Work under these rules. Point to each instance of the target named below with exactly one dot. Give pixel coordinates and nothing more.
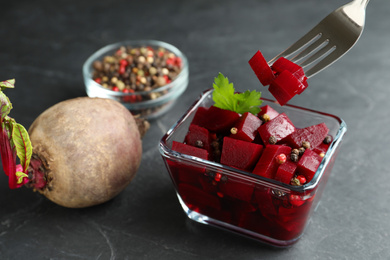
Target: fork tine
(309, 37)
(325, 50)
(316, 44)
(325, 62)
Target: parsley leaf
(225, 97)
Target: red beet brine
(267, 145)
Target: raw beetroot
(85, 151)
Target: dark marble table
(44, 44)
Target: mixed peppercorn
(137, 69)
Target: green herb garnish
(225, 97)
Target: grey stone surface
(44, 44)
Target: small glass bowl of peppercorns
(146, 76)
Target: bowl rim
(167, 152)
(173, 85)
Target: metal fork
(329, 40)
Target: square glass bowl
(147, 104)
(241, 202)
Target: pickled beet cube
(314, 134)
(308, 164)
(216, 119)
(238, 189)
(187, 173)
(279, 127)
(240, 154)
(200, 116)
(272, 113)
(264, 198)
(282, 64)
(267, 164)
(246, 127)
(285, 86)
(286, 171)
(199, 137)
(261, 68)
(321, 148)
(195, 197)
(190, 150)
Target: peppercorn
(295, 182)
(294, 157)
(301, 150)
(301, 179)
(281, 158)
(233, 130)
(306, 144)
(265, 118)
(272, 140)
(199, 143)
(295, 151)
(327, 139)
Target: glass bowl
(263, 209)
(148, 102)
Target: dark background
(43, 46)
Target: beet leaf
(14, 142)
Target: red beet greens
(14, 142)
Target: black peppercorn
(272, 140)
(328, 139)
(294, 157)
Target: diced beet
(190, 150)
(189, 173)
(240, 154)
(264, 198)
(272, 113)
(208, 184)
(282, 64)
(286, 171)
(308, 164)
(285, 86)
(199, 137)
(267, 165)
(279, 127)
(247, 127)
(314, 134)
(256, 222)
(321, 148)
(280, 94)
(200, 116)
(261, 68)
(194, 197)
(216, 119)
(236, 188)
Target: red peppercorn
(281, 158)
(170, 61)
(98, 80)
(296, 200)
(130, 98)
(178, 61)
(122, 70)
(218, 176)
(115, 88)
(301, 179)
(220, 194)
(123, 62)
